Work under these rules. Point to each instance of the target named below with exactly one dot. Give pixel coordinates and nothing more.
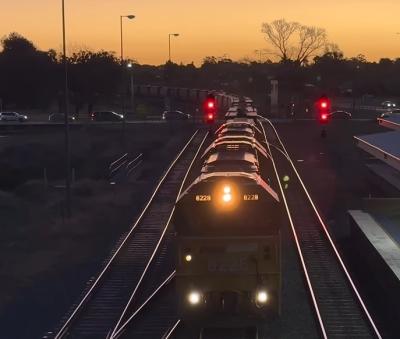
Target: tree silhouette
(292, 41)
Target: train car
(202, 94)
(164, 91)
(250, 145)
(228, 249)
(233, 130)
(231, 161)
(231, 113)
(240, 123)
(227, 223)
(184, 93)
(154, 91)
(194, 94)
(174, 92)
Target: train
(223, 99)
(227, 227)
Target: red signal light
(210, 109)
(323, 108)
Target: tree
(28, 76)
(292, 41)
(16, 43)
(93, 76)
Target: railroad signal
(323, 106)
(210, 109)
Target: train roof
(232, 130)
(242, 120)
(250, 114)
(239, 123)
(231, 161)
(235, 145)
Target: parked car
(106, 116)
(175, 115)
(60, 117)
(390, 113)
(388, 104)
(13, 116)
(340, 115)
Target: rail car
(239, 123)
(223, 144)
(223, 99)
(233, 130)
(227, 225)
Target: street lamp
(169, 44)
(130, 17)
(130, 68)
(66, 113)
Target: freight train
(227, 224)
(223, 99)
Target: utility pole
(66, 115)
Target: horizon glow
(206, 28)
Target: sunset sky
(207, 27)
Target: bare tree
(278, 34)
(293, 41)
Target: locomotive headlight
(194, 298)
(227, 196)
(188, 257)
(261, 296)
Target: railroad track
(339, 308)
(142, 252)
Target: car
(340, 115)
(60, 117)
(175, 115)
(106, 116)
(390, 113)
(388, 104)
(13, 116)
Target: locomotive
(227, 225)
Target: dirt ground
(46, 260)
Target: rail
(319, 263)
(115, 331)
(101, 279)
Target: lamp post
(169, 44)
(67, 145)
(130, 68)
(130, 17)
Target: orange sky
(207, 27)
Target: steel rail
(89, 293)
(296, 239)
(115, 330)
(152, 295)
(328, 236)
